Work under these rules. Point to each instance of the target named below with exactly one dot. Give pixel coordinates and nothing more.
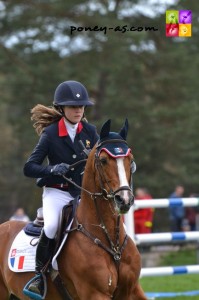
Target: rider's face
(74, 113)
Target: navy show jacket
(56, 145)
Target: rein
(77, 163)
(81, 188)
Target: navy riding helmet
(71, 93)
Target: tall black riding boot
(44, 253)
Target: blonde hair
(42, 116)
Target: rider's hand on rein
(60, 169)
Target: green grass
(175, 283)
(182, 257)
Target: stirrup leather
(35, 295)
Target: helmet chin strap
(63, 114)
(69, 120)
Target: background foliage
(144, 76)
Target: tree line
(142, 75)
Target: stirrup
(33, 295)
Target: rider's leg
(53, 202)
(43, 255)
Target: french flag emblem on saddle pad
(17, 260)
(21, 256)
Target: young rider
(62, 131)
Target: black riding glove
(60, 169)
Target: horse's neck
(92, 213)
(87, 209)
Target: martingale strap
(115, 253)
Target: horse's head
(113, 160)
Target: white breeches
(53, 202)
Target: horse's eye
(103, 160)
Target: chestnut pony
(98, 261)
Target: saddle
(34, 228)
(68, 212)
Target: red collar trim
(63, 130)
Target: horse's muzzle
(124, 199)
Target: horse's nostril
(118, 199)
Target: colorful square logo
(172, 17)
(172, 30)
(185, 17)
(178, 23)
(184, 30)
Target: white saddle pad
(21, 257)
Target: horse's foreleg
(138, 293)
(93, 295)
(13, 297)
(3, 292)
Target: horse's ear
(124, 130)
(105, 129)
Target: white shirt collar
(71, 129)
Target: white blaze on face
(122, 177)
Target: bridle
(103, 180)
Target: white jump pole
(164, 271)
(155, 203)
(166, 237)
(166, 202)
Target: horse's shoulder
(11, 227)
